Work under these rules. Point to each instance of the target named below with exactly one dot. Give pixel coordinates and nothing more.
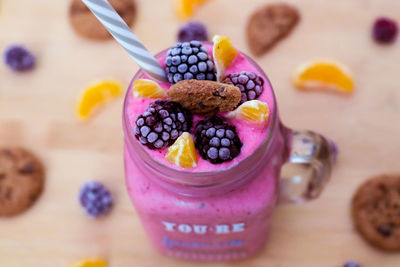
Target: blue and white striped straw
(117, 27)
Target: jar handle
(304, 176)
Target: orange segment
(182, 153)
(90, 263)
(185, 8)
(148, 88)
(224, 53)
(324, 75)
(96, 96)
(254, 112)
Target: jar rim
(198, 179)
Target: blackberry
(385, 30)
(18, 58)
(189, 60)
(352, 264)
(162, 123)
(250, 84)
(217, 140)
(193, 31)
(95, 198)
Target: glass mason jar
(224, 214)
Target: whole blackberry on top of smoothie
(214, 95)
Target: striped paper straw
(117, 27)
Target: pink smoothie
(250, 136)
(220, 221)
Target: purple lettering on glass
(170, 243)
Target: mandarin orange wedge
(224, 53)
(90, 263)
(324, 75)
(253, 112)
(182, 152)
(185, 8)
(148, 88)
(96, 96)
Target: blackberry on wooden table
(193, 31)
(95, 198)
(385, 30)
(19, 58)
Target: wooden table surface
(37, 112)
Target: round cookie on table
(376, 211)
(87, 25)
(199, 94)
(21, 180)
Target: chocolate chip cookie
(87, 25)
(376, 211)
(21, 180)
(205, 97)
(269, 24)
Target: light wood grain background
(37, 111)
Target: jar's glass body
(222, 220)
(229, 226)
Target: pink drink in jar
(222, 211)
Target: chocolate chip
(7, 152)
(2, 176)
(8, 193)
(220, 92)
(382, 187)
(33, 197)
(27, 168)
(385, 229)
